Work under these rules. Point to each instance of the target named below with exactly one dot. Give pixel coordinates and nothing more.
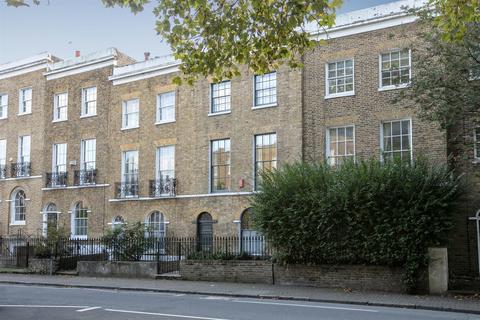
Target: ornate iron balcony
(164, 187)
(56, 179)
(126, 189)
(85, 177)
(3, 171)
(21, 169)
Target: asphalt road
(47, 303)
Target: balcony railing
(56, 179)
(3, 171)
(165, 187)
(21, 169)
(126, 189)
(85, 177)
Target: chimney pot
(147, 55)
(77, 53)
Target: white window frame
(3, 158)
(21, 101)
(161, 233)
(210, 163)
(476, 144)
(136, 168)
(394, 86)
(328, 138)
(83, 150)
(382, 135)
(57, 107)
(21, 148)
(56, 157)
(73, 222)
(255, 156)
(4, 105)
(125, 115)
(226, 111)
(268, 105)
(329, 95)
(13, 220)
(85, 103)
(159, 107)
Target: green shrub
(364, 213)
(128, 242)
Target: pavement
(454, 303)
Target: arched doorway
(252, 241)
(205, 232)
(50, 219)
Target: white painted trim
(364, 26)
(272, 105)
(144, 74)
(399, 86)
(220, 113)
(23, 70)
(327, 141)
(24, 113)
(129, 128)
(88, 116)
(222, 194)
(381, 136)
(80, 68)
(164, 122)
(18, 223)
(21, 178)
(78, 187)
(342, 94)
(157, 108)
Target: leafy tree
(365, 213)
(214, 37)
(456, 17)
(445, 84)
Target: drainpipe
(477, 221)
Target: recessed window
(155, 225)
(129, 184)
(59, 162)
(19, 207)
(3, 159)
(340, 145)
(476, 145)
(60, 107)
(265, 155)
(165, 173)
(3, 106)
(89, 101)
(23, 166)
(220, 165)
(220, 94)
(340, 78)
(80, 221)
(130, 114)
(397, 140)
(166, 107)
(265, 89)
(395, 69)
(25, 101)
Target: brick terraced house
(98, 140)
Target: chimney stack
(147, 55)
(77, 53)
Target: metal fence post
(158, 256)
(27, 254)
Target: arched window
(79, 221)
(18, 207)
(50, 218)
(156, 225)
(118, 222)
(205, 231)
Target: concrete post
(437, 270)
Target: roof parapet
(145, 69)
(368, 19)
(22, 66)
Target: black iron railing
(56, 179)
(21, 169)
(126, 189)
(3, 171)
(85, 177)
(165, 187)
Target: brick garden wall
(357, 277)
